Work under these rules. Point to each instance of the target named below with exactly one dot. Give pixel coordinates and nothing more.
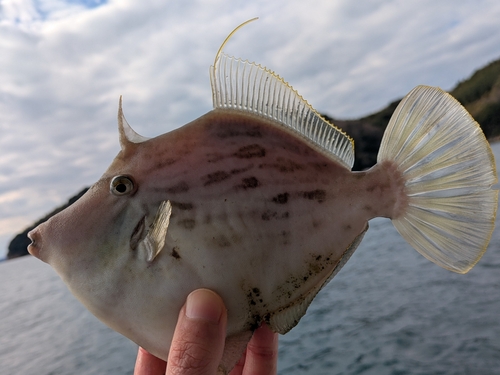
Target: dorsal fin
(249, 87)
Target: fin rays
(154, 241)
(449, 170)
(248, 87)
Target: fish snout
(35, 247)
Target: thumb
(199, 338)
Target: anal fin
(233, 350)
(288, 317)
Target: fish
(256, 200)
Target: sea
(388, 312)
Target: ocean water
(388, 312)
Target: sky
(64, 64)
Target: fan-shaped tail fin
(449, 170)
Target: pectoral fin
(154, 241)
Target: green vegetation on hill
(478, 85)
(479, 94)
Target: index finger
(148, 364)
(261, 356)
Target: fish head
(102, 243)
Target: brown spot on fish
(267, 318)
(188, 223)
(317, 195)
(256, 322)
(222, 241)
(358, 175)
(249, 183)
(254, 298)
(213, 178)
(182, 206)
(236, 238)
(281, 198)
(208, 219)
(268, 215)
(175, 253)
(296, 147)
(286, 236)
(320, 166)
(241, 170)
(230, 131)
(165, 163)
(180, 187)
(254, 133)
(250, 151)
(283, 165)
(214, 157)
(316, 268)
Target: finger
(238, 368)
(148, 364)
(262, 353)
(199, 337)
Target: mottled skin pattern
(258, 215)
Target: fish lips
(34, 248)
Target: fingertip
(262, 352)
(265, 334)
(199, 337)
(204, 304)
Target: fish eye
(121, 185)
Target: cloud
(64, 64)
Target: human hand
(198, 343)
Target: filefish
(256, 201)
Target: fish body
(256, 201)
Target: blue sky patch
(88, 3)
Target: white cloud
(63, 65)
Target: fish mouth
(138, 233)
(35, 246)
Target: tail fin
(449, 170)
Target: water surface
(389, 311)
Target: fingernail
(205, 305)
